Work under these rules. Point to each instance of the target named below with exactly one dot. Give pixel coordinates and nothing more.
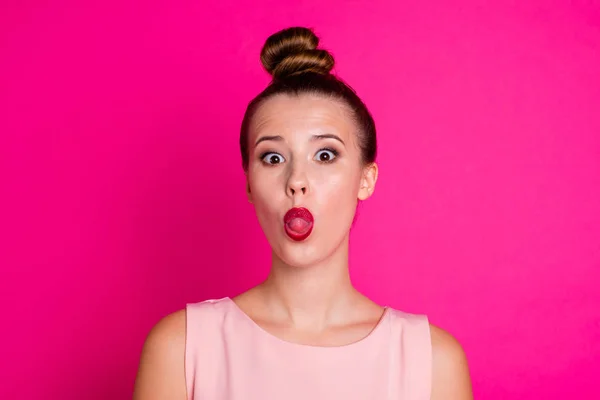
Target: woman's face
(303, 153)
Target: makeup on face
(324, 155)
(298, 223)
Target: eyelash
(332, 151)
(329, 149)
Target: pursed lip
(298, 212)
(302, 213)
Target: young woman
(308, 149)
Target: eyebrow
(264, 138)
(314, 137)
(328, 136)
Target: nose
(297, 183)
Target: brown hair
(298, 67)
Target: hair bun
(293, 51)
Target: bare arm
(451, 380)
(161, 373)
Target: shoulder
(450, 371)
(170, 329)
(161, 373)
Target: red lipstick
(298, 223)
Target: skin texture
(308, 297)
(300, 179)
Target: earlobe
(368, 181)
(248, 192)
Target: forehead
(286, 114)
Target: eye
(326, 155)
(272, 158)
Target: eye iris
(325, 156)
(274, 159)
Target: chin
(299, 260)
(309, 252)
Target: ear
(248, 191)
(368, 181)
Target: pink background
(123, 195)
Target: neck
(311, 297)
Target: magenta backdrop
(124, 196)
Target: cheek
(265, 191)
(339, 190)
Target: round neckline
(377, 329)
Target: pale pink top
(230, 357)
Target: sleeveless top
(230, 357)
